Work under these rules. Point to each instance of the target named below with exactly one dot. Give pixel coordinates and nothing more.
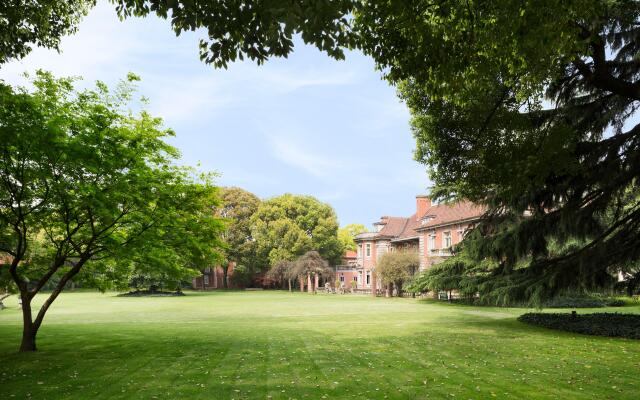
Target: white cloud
(288, 151)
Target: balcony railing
(440, 252)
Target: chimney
(423, 203)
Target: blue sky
(306, 125)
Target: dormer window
(427, 218)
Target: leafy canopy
(397, 267)
(347, 233)
(236, 208)
(235, 30)
(24, 23)
(287, 226)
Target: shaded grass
(241, 345)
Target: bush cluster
(599, 324)
(582, 302)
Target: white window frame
(367, 250)
(206, 279)
(446, 237)
(431, 241)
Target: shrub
(615, 303)
(573, 302)
(599, 324)
(584, 301)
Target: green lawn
(238, 345)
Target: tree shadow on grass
(464, 356)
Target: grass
(240, 345)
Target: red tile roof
(443, 214)
(400, 228)
(394, 226)
(409, 231)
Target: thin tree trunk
(289, 280)
(225, 273)
(301, 281)
(2, 306)
(374, 284)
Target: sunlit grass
(239, 345)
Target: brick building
(432, 231)
(213, 278)
(348, 271)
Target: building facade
(213, 278)
(432, 231)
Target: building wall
(346, 276)
(431, 257)
(368, 264)
(213, 278)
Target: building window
(368, 278)
(431, 243)
(355, 278)
(341, 278)
(206, 280)
(367, 251)
(447, 239)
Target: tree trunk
(2, 297)
(225, 272)
(289, 280)
(29, 329)
(374, 284)
(301, 281)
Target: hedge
(599, 324)
(583, 302)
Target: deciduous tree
(347, 233)
(397, 267)
(312, 265)
(237, 207)
(283, 271)
(287, 226)
(84, 180)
